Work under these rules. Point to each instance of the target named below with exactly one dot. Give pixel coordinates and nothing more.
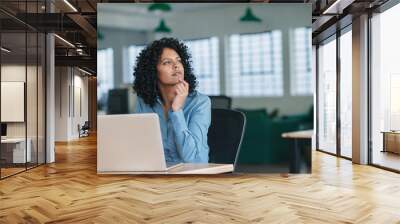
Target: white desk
(307, 134)
(188, 168)
(19, 149)
(300, 161)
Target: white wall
(119, 40)
(70, 83)
(80, 103)
(220, 21)
(15, 72)
(61, 103)
(34, 124)
(274, 17)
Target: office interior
(50, 73)
(357, 86)
(263, 67)
(38, 107)
(119, 44)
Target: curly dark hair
(145, 72)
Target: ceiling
(330, 15)
(79, 27)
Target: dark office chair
(84, 130)
(225, 135)
(118, 101)
(221, 102)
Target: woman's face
(170, 68)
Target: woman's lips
(177, 74)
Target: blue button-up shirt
(184, 132)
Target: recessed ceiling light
(65, 41)
(84, 71)
(337, 7)
(70, 5)
(5, 50)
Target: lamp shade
(100, 35)
(165, 7)
(162, 27)
(249, 16)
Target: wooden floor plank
(70, 191)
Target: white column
(360, 90)
(50, 100)
(63, 101)
(314, 76)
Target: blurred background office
(260, 61)
(253, 57)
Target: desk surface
(187, 168)
(307, 134)
(13, 140)
(391, 132)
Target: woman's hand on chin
(182, 91)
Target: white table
(305, 134)
(19, 155)
(187, 168)
(300, 160)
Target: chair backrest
(225, 135)
(221, 102)
(118, 102)
(86, 125)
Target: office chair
(118, 102)
(3, 129)
(84, 130)
(225, 135)
(220, 102)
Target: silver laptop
(130, 143)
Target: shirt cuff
(178, 120)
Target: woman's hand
(182, 91)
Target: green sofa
(262, 142)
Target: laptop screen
(3, 129)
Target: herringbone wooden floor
(69, 191)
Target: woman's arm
(191, 136)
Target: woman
(165, 84)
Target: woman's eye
(167, 62)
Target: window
(130, 55)
(327, 96)
(301, 78)
(346, 94)
(394, 102)
(385, 88)
(205, 64)
(105, 76)
(255, 64)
